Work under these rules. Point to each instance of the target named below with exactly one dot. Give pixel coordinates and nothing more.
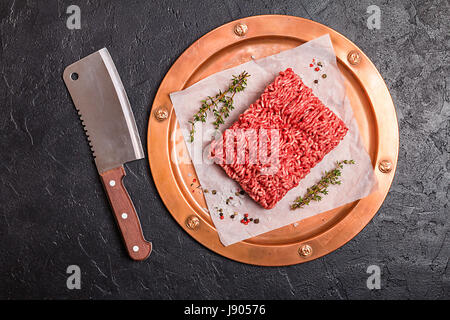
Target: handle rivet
(385, 166)
(193, 222)
(112, 183)
(354, 57)
(161, 113)
(240, 29)
(305, 250)
(135, 248)
(124, 215)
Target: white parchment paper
(357, 180)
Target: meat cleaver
(107, 118)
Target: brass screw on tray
(240, 29)
(161, 114)
(385, 166)
(305, 250)
(354, 57)
(193, 222)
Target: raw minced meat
(296, 128)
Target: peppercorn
(214, 192)
(256, 221)
(324, 76)
(316, 81)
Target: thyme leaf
(317, 191)
(220, 105)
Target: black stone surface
(53, 209)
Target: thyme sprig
(220, 105)
(314, 193)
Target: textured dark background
(53, 210)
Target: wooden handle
(138, 248)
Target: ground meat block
(294, 125)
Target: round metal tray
(233, 44)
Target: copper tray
(233, 44)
